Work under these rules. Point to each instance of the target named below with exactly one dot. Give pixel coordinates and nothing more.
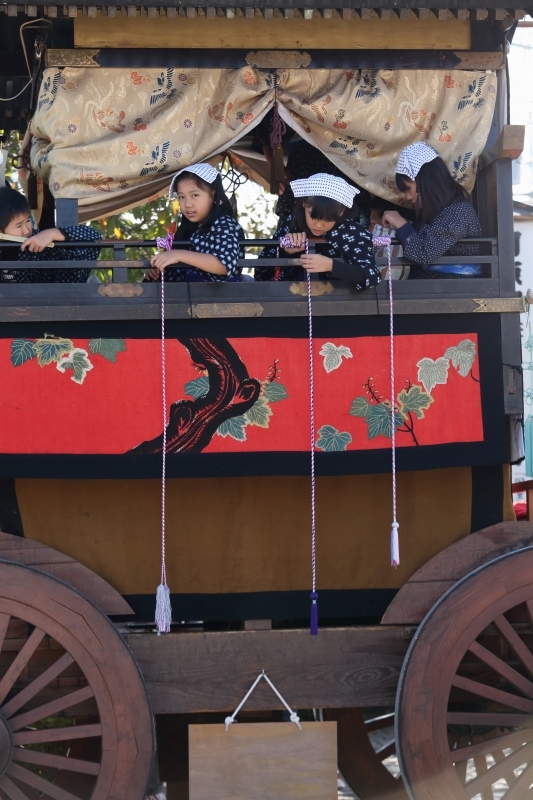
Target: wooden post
(66, 212)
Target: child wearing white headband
(208, 223)
(443, 215)
(325, 210)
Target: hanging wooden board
(263, 761)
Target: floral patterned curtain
(361, 120)
(113, 137)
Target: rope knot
(381, 241)
(227, 722)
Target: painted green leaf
(432, 372)
(22, 350)
(378, 420)
(274, 392)
(259, 414)
(359, 407)
(415, 399)
(49, 350)
(462, 356)
(108, 348)
(330, 439)
(78, 361)
(234, 427)
(333, 355)
(198, 387)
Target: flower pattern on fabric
(74, 233)
(348, 116)
(221, 241)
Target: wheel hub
(6, 745)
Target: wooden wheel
(361, 757)
(465, 699)
(74, 716)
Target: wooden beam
(271, 59)
(202, 672)
(509, 144)
(274, 33)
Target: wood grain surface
(38, 555)
(424, 588)
(263, 761)
(341, 667)
(273, 34)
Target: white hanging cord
(293, 715)
(285, 242)
(385, 241)
(163, 608)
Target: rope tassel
(163, 608)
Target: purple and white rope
(384, 241)
(163, 609)
(285, 242)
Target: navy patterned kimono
(222, 241)
(348, 244)
(75, 233)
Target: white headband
(413, 157)
(325, 185)
(204, 171)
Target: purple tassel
(314, 614)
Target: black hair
(221, 206)
(320, 208)
(436, 189)
(12, 204)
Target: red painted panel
(118, 405)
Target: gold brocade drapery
(113, 137)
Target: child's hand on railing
(297, 242)
(313, 262)
(40, 241)
(159, 261)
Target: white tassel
(394, 545)
(163, 609)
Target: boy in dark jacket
(16, 220)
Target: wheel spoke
(494, 774)
(387, 750)
(4, 624)
(55, 762)
(378, 723)
(36, 782)
(499, 756)
(35, 686)
(491, 719)
(520, 786)
(515, 642)
(50, 709)
(7, 682)
(486, 747)
(503, 669)
(497, 695)
(12, 791)
(57, 734)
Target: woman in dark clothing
(443, 215)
